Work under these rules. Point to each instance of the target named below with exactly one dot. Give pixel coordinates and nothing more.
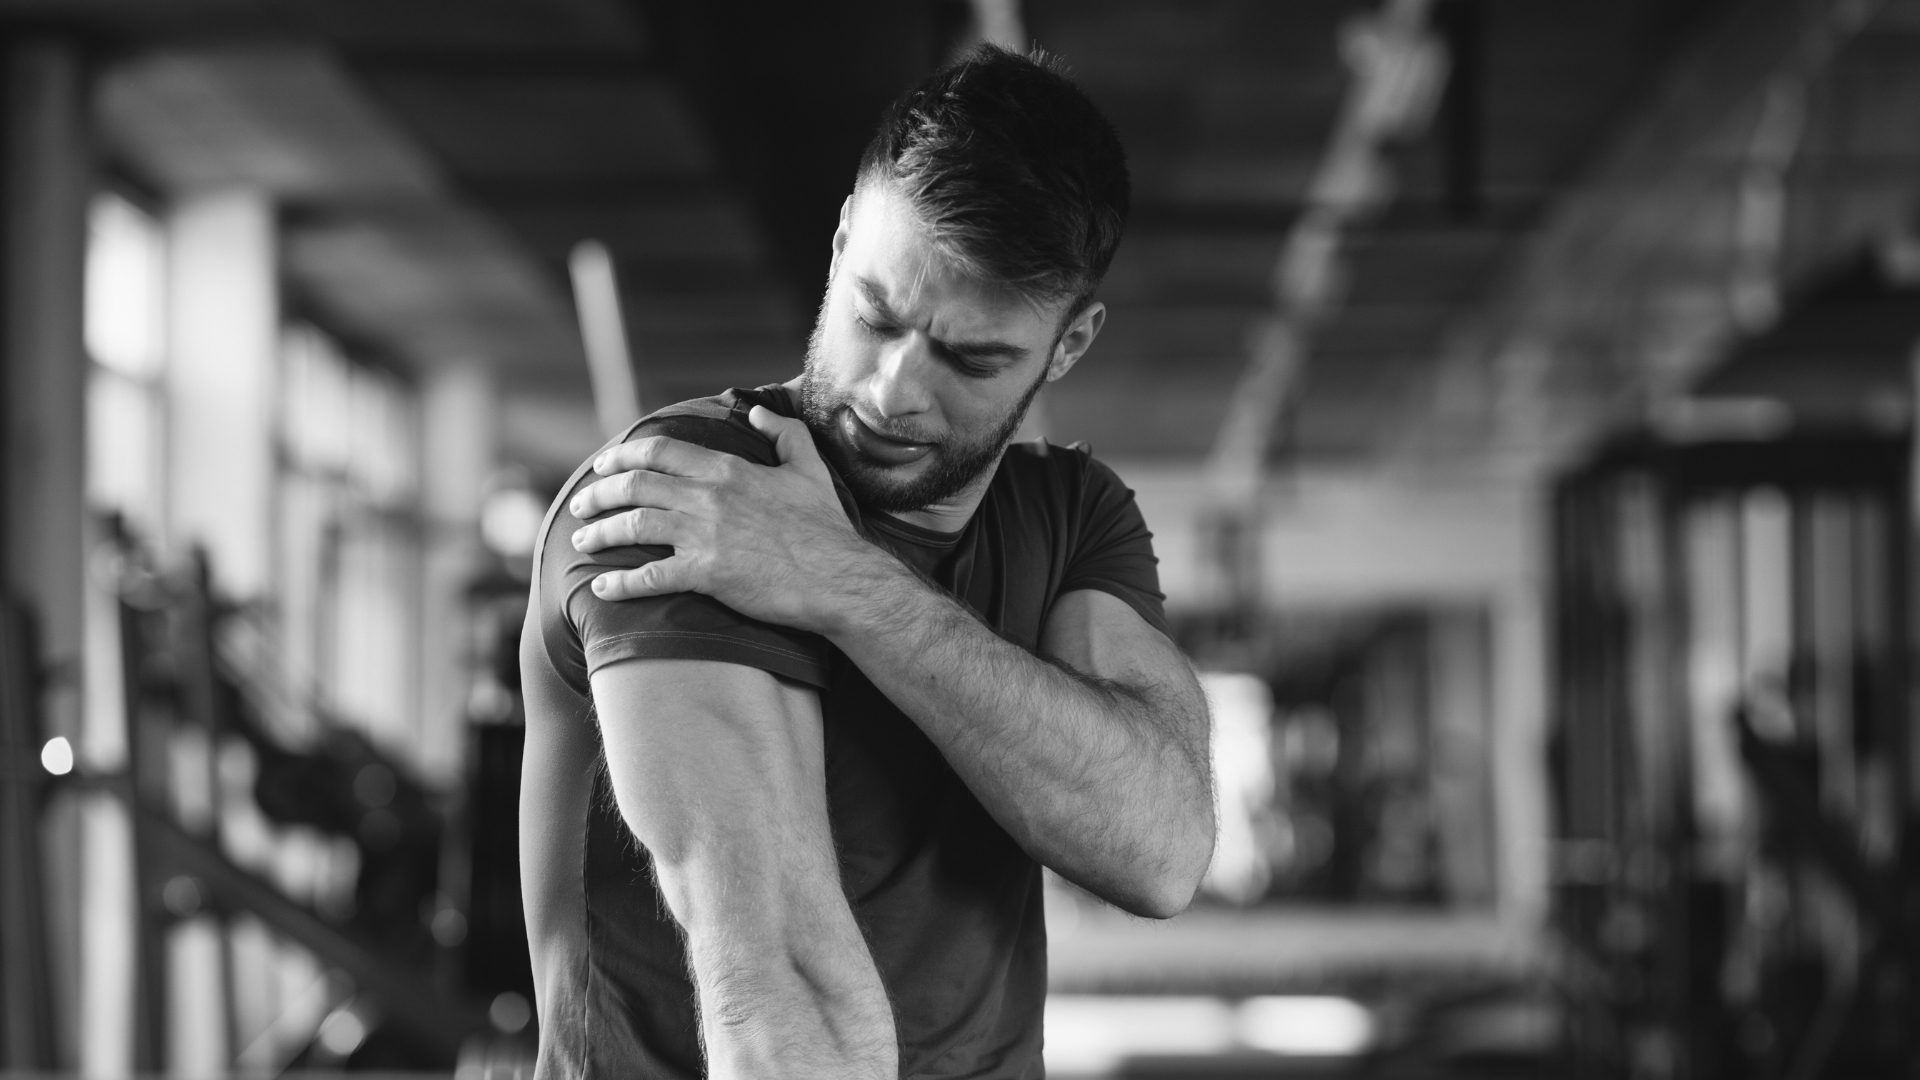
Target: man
(856, 666)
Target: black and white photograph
(959, 539)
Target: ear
(1078, 338)
(840, 235)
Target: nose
(898, 387)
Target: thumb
(791, 439)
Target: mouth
(882, 448)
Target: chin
(888, 489)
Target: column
(88, 981)
(222, 354)
(49, 177)
(460, 420)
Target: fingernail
(599, 463)
(576, 538)
(600, 586)
(577, 506)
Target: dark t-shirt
(949, 904)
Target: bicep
(718, 769)
(1098, 634)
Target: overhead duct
(596, 296)
(1399, 69)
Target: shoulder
(718, 423)
(1068, 475)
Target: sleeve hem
(1153, 613)
(693, 645)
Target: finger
(657, 578)
(638, 488)
(643, 526)
(661, 454)
(791, 439)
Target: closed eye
(881, 330)
(972, 369)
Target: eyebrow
(970, 350)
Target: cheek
(848, 355)
(973, 412)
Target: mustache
(891, 429)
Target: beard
(954, 463)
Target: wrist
(863, 590)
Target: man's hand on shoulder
(772, 543)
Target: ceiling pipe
(998, 22)
(596, 297)
(1399, 68)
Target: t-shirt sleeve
(1115, 550)
(680, 626)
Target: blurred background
(1520, 392)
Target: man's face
(917, 375)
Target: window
(126, 342)
(349, 538)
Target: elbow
(1160, 902)
(1170, 891)
(1162, 896)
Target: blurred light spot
(510, 1012)
(1093, 1034)
(489, 702)
(1311, 741)
(181, 895)
(57, 756)
(449, 927)
(342, 1032)
(510, 522)
(1305, 1025)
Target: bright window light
(1305, 1025)
(125, 284)
(1093, 1034)
(1242, 708)
(57, 756)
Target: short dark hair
(1012, 170)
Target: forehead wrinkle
(919, 283)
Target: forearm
(783, 980)
(1106, 780)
